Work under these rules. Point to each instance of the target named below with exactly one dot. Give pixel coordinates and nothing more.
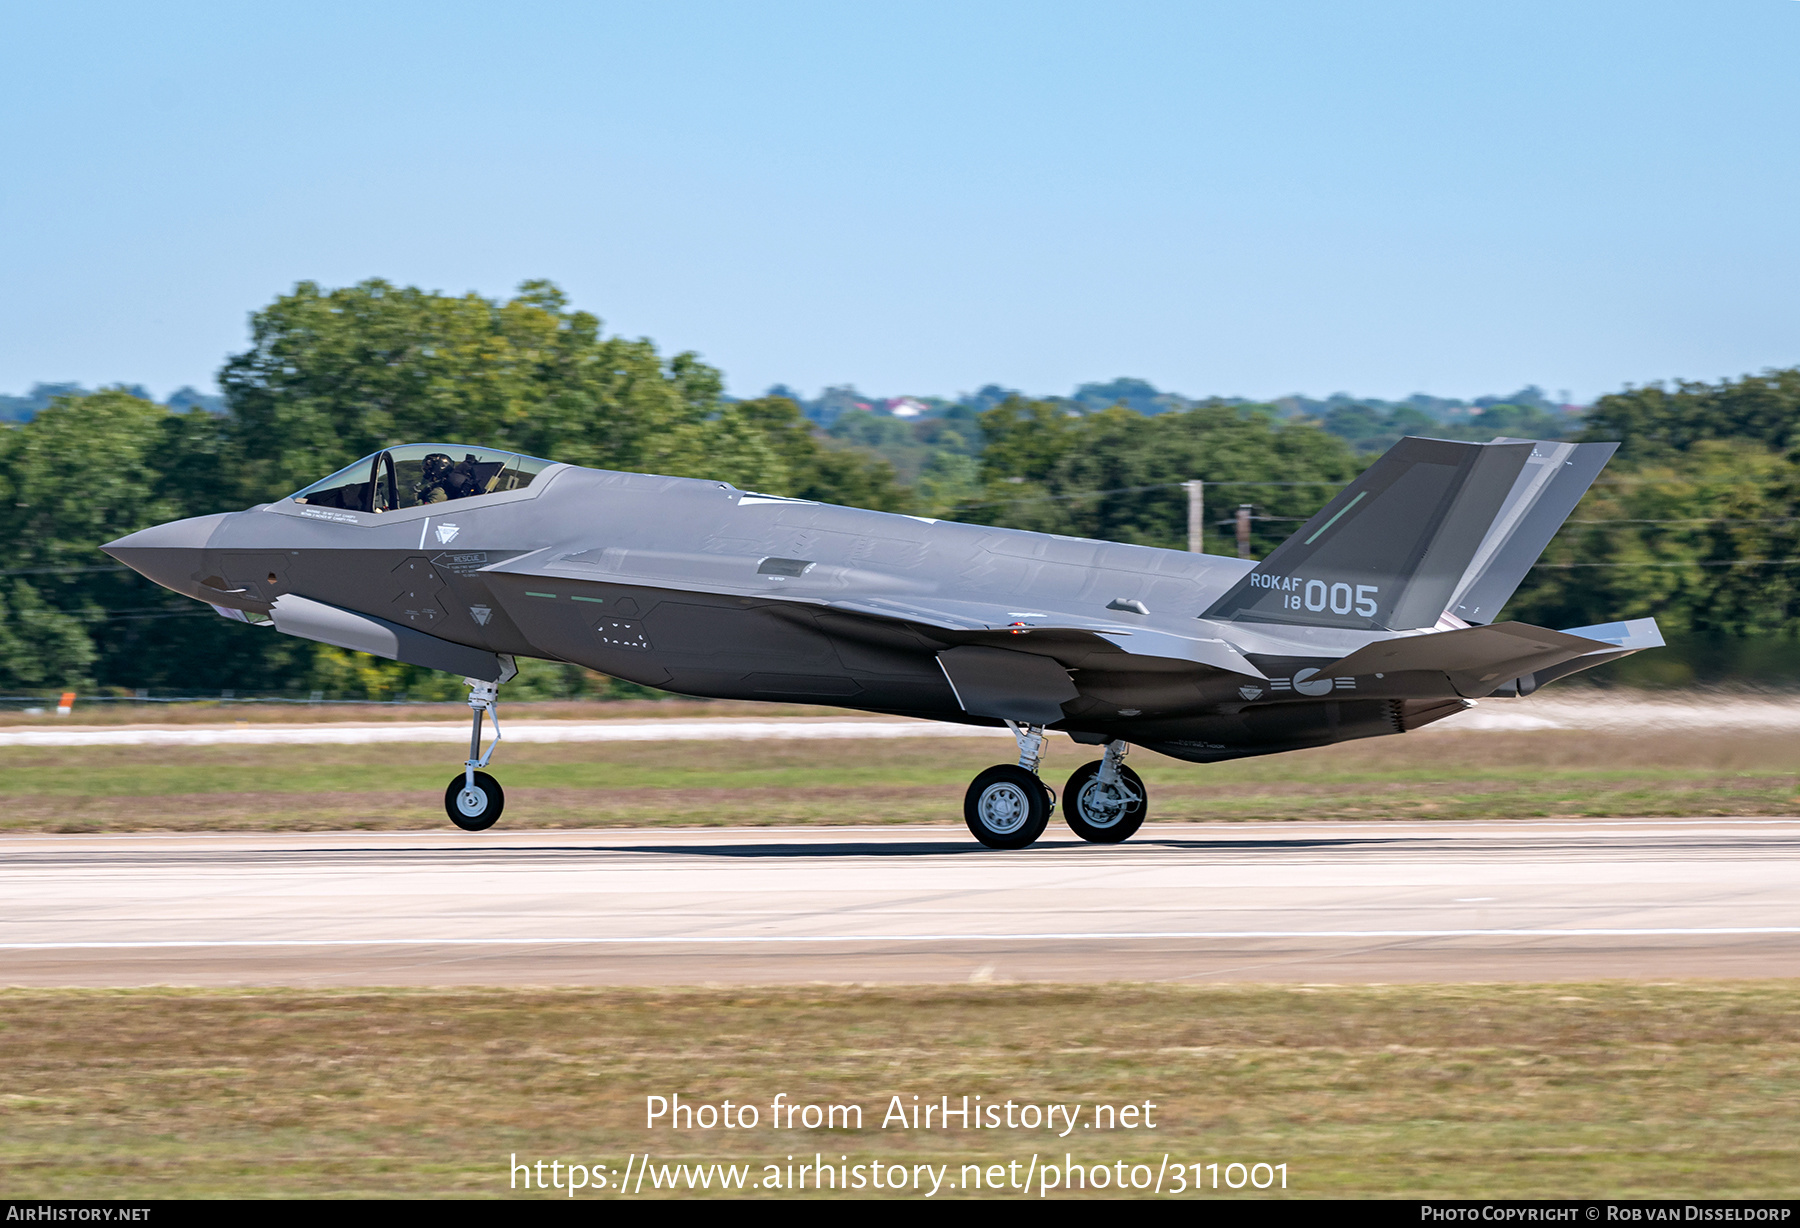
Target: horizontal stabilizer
(1632, 635)
(1618, 640)
(328, 624)
(1477, 660)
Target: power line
(59, 571)
(127, 613)
(1123, 490)
(126, 618)
(1132, 490)
(1697, 520)
(1675, 563)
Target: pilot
(441, 479)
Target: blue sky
(1232, 198)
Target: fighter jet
(1375, 618)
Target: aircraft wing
(985, 623)
(873, 594)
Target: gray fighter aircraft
(1375, 618)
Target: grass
(1615, 1089)
(1611, 1089)
(228, 712)
(1434, 775)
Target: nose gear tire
(1007, 807)
(474, 809)
(1101, 815)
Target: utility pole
(1243, 529)
(1196, 492)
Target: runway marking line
(510, 841)
(1610, 718)
(717, 729)
(159, 944)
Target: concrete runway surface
(1595, 714)
(1338, 902)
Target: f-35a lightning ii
(1375, 618)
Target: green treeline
(331, 376)
(1692, 523)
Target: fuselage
(697, 587)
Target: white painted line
(1533, 715)
(1649, 932)
(1495, 722)
(1640, 716)
(598, 731)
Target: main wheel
(1006, 807)
(474, 809)
(1104, 814)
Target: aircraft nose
(168, 553)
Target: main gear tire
(1007, 807)
(475, 809)
(1104, 814)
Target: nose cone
(169, 554)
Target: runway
(349, 733)
(1603, 714)
(1338, 902)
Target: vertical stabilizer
(1392, 550)
(1546, 491)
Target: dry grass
(1613, 1089)
(1428, 775)
(226, 712)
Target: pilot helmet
(435, 468)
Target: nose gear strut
(474, 799)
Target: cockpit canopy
(418, 474)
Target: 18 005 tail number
(1317, 596)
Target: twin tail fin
(1433, 528)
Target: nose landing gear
(474, 799)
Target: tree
(84, 470)
(1117, 474)
(1701, 541)
(332, 375)
(1655, 422)
(810, 467)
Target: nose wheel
(473, 799)
(474, 805)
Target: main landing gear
(1105, 802)
(1008, 807)
(474, 799)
